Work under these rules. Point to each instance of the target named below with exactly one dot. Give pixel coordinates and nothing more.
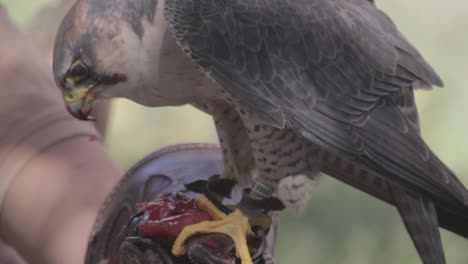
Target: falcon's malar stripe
(112, 79)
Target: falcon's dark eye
(78, 71)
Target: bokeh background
(340, 225)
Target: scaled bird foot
(235, 225)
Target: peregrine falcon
(295, 87)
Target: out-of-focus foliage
(340, 225)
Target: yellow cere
(76, 95)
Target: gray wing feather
(337, 72)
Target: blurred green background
(341, 225)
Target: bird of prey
(295, 87)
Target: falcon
(295, 88)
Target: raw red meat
(164, 219)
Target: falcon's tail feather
(452, 216)
(420, 218)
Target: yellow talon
(235, 225)
(206, 205)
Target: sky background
(340, 225)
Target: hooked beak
(79, 103)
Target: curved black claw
(221, 186)
(215, 184)
(250, 204)
(130, 230)
(213, 187)
(257, 244)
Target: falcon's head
(105, 49)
